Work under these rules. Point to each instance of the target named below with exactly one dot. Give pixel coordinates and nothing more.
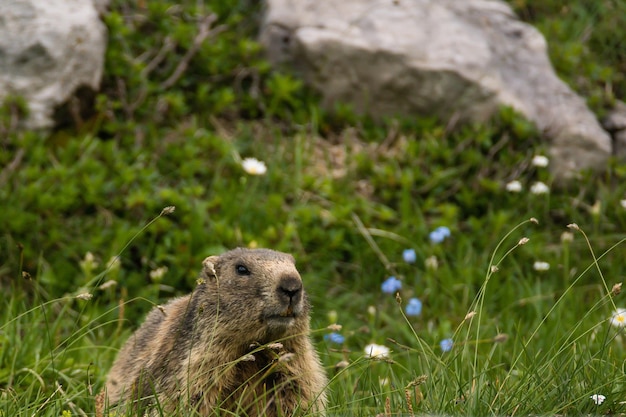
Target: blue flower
(391, 285)
(446, 345)
(335, 337)
(439, 234)
(414, 308)
(409, 256)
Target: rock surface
(458, 60)
(615, 122)
(48, 49)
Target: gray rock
(48, 49)
(615, 123)
(101, 6)
(458, 60)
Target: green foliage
(82, 213)
(585, 45)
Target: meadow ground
(464, 280)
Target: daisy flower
(253, 166)
(539, 188)
(513, 186)
(376, 351)
(598, 398)
(618, 319)
(540, 161)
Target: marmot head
(257, 293)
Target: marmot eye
(242, 270)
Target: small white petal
(376, 351)
(253, 166)
(540, 161)
(514, 186)
(619, 317)
(598, 398)
(539, 188)
(623, 203)
(541, 266)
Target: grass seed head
(573, 226)
(334, 327)
(500, 338)
(84, 296)
(617, 288)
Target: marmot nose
(290, 287)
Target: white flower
(158, 274)
(539, 188)
(567, 237)
(623, 203)
(598, 398)
(619, 317)
(253, 166)
(376, 351)
(541, 266)
(540, 161)
(431, 262)
(514, 186)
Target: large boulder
(49, 49)
(615, 122)
(458, 60)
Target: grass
(83, 213)
(539, 342)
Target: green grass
(346, 196)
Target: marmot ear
(208, 267)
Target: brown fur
(216, 349)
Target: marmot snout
(289, 297)
(201, 352)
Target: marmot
(237, 345)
